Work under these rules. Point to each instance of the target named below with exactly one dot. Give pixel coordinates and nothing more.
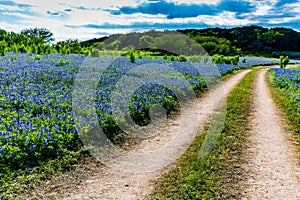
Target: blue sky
(85, 19)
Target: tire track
(272, 170)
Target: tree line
(234, 41)
(38, 41)
(253, 39)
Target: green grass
(286, 106)
(218, 175)
(25, 182)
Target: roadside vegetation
(285, 87)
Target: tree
(132, 57)
(74, 46)
(3, 46)
(3, 34)
(172, 42)
(271, 36)
(281, 61)
(42, 33)
(145, 41)
(286, 61)
(210, 47)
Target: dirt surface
(110, 183)
(272, 170)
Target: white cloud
(13, 27)
(262, 7)
(89, 4)
(16, 14)
(223, 19)
(11, 8)
(294, 7)
(281, 20)
(94, 12)
(213, 2)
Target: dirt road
(272, 170)
(117, 184)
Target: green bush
(220, 59)
(205, 59)
(132, 57)
(235, 60)
(182, 58)
(227, 60)
(165, 57)
(38, 57)
(95, 53)
(286, 61)
(274, 53)
(281, 61)
(2, 52)
(63, 61)
(195, 59)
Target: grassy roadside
(218, 175)
(286, 107)
(52, 182)
(26, 182)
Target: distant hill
(239, 40)
(90, 42)
(254, 38)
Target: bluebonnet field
(288, 80)
(37, 122)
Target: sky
(87, 19)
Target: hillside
(239, 40)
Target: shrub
(227, 60)
(235, 60)
(281, 61)
(63, 61)
(274, 54)
(38, 57)
(165, 57)
(286, 61)
(206, 58)
(95, 53)
(182, 58)
(220, 59)
(132, 57)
